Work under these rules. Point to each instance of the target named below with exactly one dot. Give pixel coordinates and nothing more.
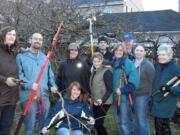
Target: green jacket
(131, 73)
(167, 107)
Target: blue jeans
(6, 118)
(124, 118)
(141, 119)
(65, 131)
(33, 115)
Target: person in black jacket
(103, 49)
(73, 69)
(8, 82)
(101, 84)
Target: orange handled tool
(119, 97)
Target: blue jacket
(75, 108)
(29, 68)
(131, 73)
(164, 73)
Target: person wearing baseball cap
(128, 41)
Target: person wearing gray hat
(73, 69)
(73, 46)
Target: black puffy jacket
(73, 70)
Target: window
(107, 9)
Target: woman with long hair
(76, 105)
(8, 82)
(125, 82)
(146, 74)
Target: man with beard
(30, 63)
(128, 41)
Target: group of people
(124, 79)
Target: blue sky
(150, 5)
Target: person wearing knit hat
(102, 38)
(103, 49)
(73, 46)
(103, 45)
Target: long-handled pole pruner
(33, 91)
(91, 33)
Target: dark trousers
(162, 126)
(100, 111)
(176, 117)
(6, 119)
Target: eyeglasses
(40, 39)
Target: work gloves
(54, 89)
(11, 82)
(36, 86)
(165, 89)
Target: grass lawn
(111, 126)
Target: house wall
(112, 7)
(133, 6)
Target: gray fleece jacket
(146, 73)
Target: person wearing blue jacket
(122, 64)
(30, 63)
(164, 106)
(75, 105)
